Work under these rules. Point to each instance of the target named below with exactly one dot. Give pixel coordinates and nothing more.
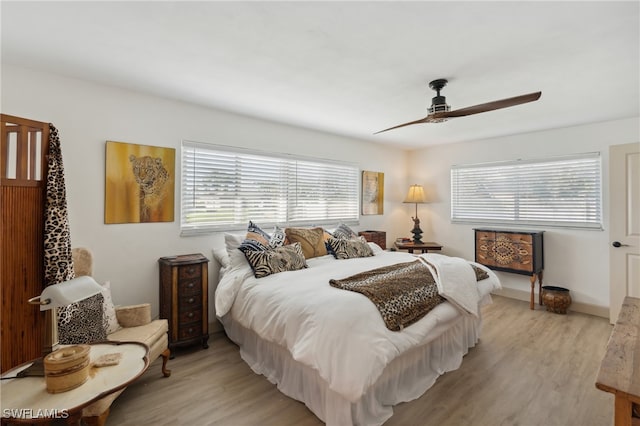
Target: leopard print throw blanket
(403, 293)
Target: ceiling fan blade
(422, 120)
(490, 106)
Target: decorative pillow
(344, 232)
(311, 240)
(277, 238)
(349, 249)
(109, 310)
(82, 322)
(268, 262)
(258, 240)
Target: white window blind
(223, 188)
(560, 191)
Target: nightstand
(424, 247)
(184, 298)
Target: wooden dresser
(184, 297)
(520, 252)
(378, 237)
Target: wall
(574, 259)
(88, 114)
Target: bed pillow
(280, 259)
(349, 249)
(236, 257)
(311, 240)
(344, 232)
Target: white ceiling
(349, 68)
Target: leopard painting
(152, 179)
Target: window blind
(223, 188)
(560, 191)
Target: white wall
(88, 114)
(575, 259)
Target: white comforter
(339, 333)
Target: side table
(26, 400)
(424, 247)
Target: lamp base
(416, 231)
(36, 369)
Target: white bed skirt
(404, 379)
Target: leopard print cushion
(82, 322)
(349, 249)
(281, 259)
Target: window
(223, 188)
(560, 191)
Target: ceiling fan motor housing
(439, 104)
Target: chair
(137, 326)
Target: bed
(330, 348)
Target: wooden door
(23, 147)
(624, 211)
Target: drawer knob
(190, 315)
(190, 285)
(191, 300)
(191, 270)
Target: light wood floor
(531, 368)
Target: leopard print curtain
(58, 264)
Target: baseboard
(585, 308)
(215, 327)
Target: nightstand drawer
(190, 302)
(189, 331)
(190, 271)
(190, 287)
(189, 316)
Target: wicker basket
(66, 368)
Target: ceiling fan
(439, 111)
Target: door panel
(624, 210)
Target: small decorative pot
(556, 299)
(66, 368)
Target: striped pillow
(349, 249)
(281, 259)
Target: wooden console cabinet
(520, 252)
(184, 298)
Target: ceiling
(349, 68)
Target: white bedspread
(338, 333)
(456, 281)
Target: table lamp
(416, 196)
(53, 297)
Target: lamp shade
(416, 195)
(66, 293)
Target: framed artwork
(372, 193)
(139, 183)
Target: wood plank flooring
(530, 368)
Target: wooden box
(378, 237)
